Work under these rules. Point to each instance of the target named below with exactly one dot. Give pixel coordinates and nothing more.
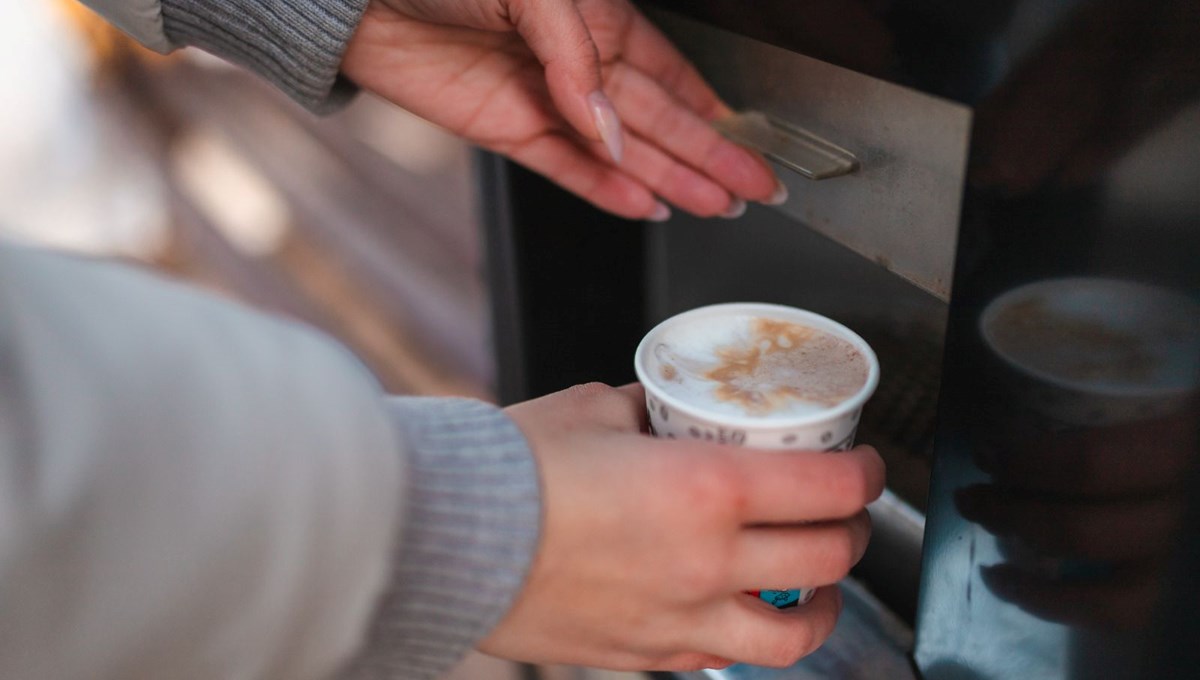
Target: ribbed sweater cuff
(468, 536)
(295, 44)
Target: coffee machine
(1001, 197)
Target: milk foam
(755, 366)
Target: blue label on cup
(782, 599)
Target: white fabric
(187, 489)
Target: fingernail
(779, 197)
(737, 208)
(608, 126)
(661, 212)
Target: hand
(649, 545)
(1090, 517)
(549, 83)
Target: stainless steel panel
(901, 207)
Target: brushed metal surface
(901, 207)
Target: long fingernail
(737, 208)
(608, 126)
(661, 212)
(780, 196)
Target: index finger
(669, 102)
(778, 487)
(657, 116)
(652, 53)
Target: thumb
(559, 38)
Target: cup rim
(818, 321)
(1050, 286)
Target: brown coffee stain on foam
(783, 361)
(668, 372)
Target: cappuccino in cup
(758, 375)
(1093, 351)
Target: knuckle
(675, 77)
(716, 153)
(835, 561)
(713, 487)
(850, 486)
(584, 52)
(591, 391)
(811, 639)
(701, 579)
(704, 496)
(616, 82)
(877, 480)
(606, 404)
(789, 648)
(805, 636)
(860, 480)
(666, 122)
(873, 470)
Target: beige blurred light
(104, 44)
(405, 139)
(230, 192)
(73, 174)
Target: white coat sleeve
(189, 489)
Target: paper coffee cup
(685, 364)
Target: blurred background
(363, 223)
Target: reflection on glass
(1095, 382)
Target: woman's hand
(648, 545)
(587, 93)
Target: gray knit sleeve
(469, 532)
(295, 44)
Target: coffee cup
(757, 375)
(1088, 352)
(1071, 361)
